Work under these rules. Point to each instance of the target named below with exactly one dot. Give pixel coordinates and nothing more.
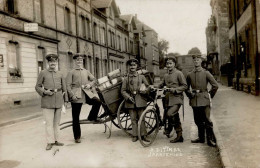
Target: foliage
(15, 72)
(163, 47)
(194, 50)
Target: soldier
(135, 98)
(78, 80)
(200, 100)
(51, 87)
(176, 84)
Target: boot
(210, 137)
(198, 140)
(49, 146)
(210, 142)
(179, 138)
(201, 138)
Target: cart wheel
(151, 126)
(124, 120)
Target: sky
(181, 22)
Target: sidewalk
(12, 116)
(236, 116)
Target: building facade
(244, 37)
(218, 52)
(31, 29)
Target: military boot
(179, 138)
(201, 138)
(211, 141)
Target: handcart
(109, 92)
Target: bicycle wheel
(148, 124)
(124, 120)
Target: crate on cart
(109, 91)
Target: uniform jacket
(177, 81)
(128, 89)
(75, 79)
(51, 79)
(198, 79)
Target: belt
(54, 90)
(199, 91)
(134, 92)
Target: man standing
(51, 86)
(135, 97)
(176, 84)
(200, 100)
(78, 79)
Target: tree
(194, 50)
(163, 47)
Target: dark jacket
(177, 81)
(52, 80)
(198, 81)
(75, 79)
(128, 89)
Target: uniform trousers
(202, 120)
(135, 114)
(76, 109)
(173, 118)
(52, 122)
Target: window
(40, 59)
(67, 20)
(14, 66)
(97, 68)
(102, 34)
(88, 29)
(89, 64)
(119, 42)
(113, 39)
(109, 38)
(95, 32)
(11, 6)
(183, 60)
(38, 11)
(125, 45)
(131, 47)
(83, 26)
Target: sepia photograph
(129, 83)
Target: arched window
(67, 20)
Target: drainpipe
(56, 30)
(254, 28)
(77, 31)
(92, 38)
(238, 75)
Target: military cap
(52, 57)
(171, 58)
(196, 56)
(79, 55)
(130, 61)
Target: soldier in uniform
(176, 84)
(78, 80)
(200, 100)
(135, 98)
(51, 86)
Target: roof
(127, 18)
(102, 3)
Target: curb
(221, 147)
(20, 120)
